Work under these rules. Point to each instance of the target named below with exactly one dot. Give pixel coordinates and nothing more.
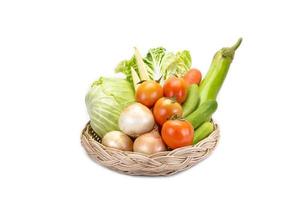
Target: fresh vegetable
(169, 64)
(177, 133)
(148, 92)
(135, 78)
(119, 109)
(149, 143)
(130, 69)
(211, 84)
(191, 101)
(117, 140)
(105, 100)
(193, 76)
(154, 60)
(142, 67)
(202, 113)
(203, 131)
(136, 119)
(158, 64)
(166, 108)
(175, 87)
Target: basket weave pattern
(158, 164)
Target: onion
(149, 143)
(117, 140)
(136, 119)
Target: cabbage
(105, 100)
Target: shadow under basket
(164, 163)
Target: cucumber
(192, 100)
(203, 131)
(203, 113)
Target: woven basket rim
(83, 134)
(163, 163)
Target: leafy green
(125, 68)
(165, 64)
(158, 63)
(153, 60)
(176, 64)
(105, 100)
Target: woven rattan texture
(159, 164)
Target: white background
(51, 51)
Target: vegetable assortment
(161, 104)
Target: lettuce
(105, 100)
(154, 59)
(125, 68)
(176, 64)
(159, 64)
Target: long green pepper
(211, 84)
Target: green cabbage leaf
(105, 100)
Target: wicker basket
(159, 164)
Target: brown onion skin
(149, 143)
(118, 140)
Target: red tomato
(193, 76)
(164, 109)
(175, 87)
(148, 93)
(177, 133)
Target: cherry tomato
(175, 87)
(148, 93)
(193, 76)
(177, 133)
(165, 108)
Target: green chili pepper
(211, 84)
